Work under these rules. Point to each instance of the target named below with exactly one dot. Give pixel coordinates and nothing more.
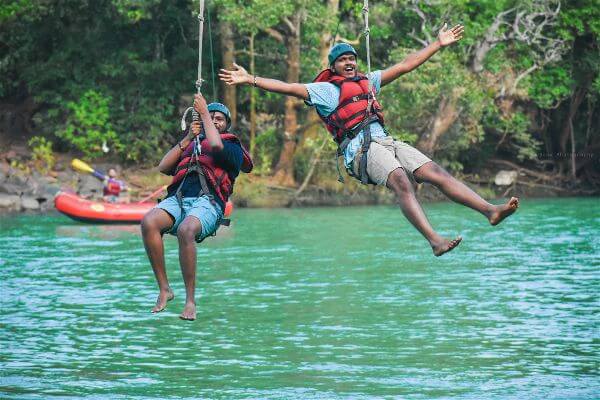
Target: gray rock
(505, 178)
(46, 192)
(10, 201)
(89, 186)
(10, 188)
(29, 203)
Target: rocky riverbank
(23, 189)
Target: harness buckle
(355, 98)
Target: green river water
(317, 303)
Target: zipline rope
(197, 149)
(200, 32)
(367, 32)
(195, 116)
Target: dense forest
(111, 77)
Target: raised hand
(449, 36)
(199, 103)
(238, 75)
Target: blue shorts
(208, 214)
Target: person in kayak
(112, 187)
(204, 165)
(346, 102)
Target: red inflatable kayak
(84, 210)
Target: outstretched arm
(412, 61)
(239, 76)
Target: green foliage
(411, 104)
(42, 155)
(267, 143)
(257, 14)
(135, 10)
(88, 124)
(306, 153)
(550, 86)
(513, 135)
(118, 71)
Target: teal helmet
(338, 50)
(222, 109)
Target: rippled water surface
(323, 303)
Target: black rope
(212, 58)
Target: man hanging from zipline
(204, 165)
(345, 100)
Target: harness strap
(204, 186)
(204, 190)
(362, 170)
(348, 137)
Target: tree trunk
(284, 170)
(227, 46)
(479, 55)
(445, 116)
(567, 133)
(488, 42)
(313, 122)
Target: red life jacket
(112, 188)
(217, 178)
(353, 102)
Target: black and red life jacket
(217, 178)
(112, 188)
(353, 103)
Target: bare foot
(502, 211)
(189, 312)
(161, 301)
(445, 246)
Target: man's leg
(399, 183)
(186, 233)
(153, 224)
(462, 194)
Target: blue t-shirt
(324, 96)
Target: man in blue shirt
(389, 162)
(194, 207)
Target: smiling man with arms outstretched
(345, 101)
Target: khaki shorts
(385, 155)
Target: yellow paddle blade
(80, 166)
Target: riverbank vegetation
(108, 80)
